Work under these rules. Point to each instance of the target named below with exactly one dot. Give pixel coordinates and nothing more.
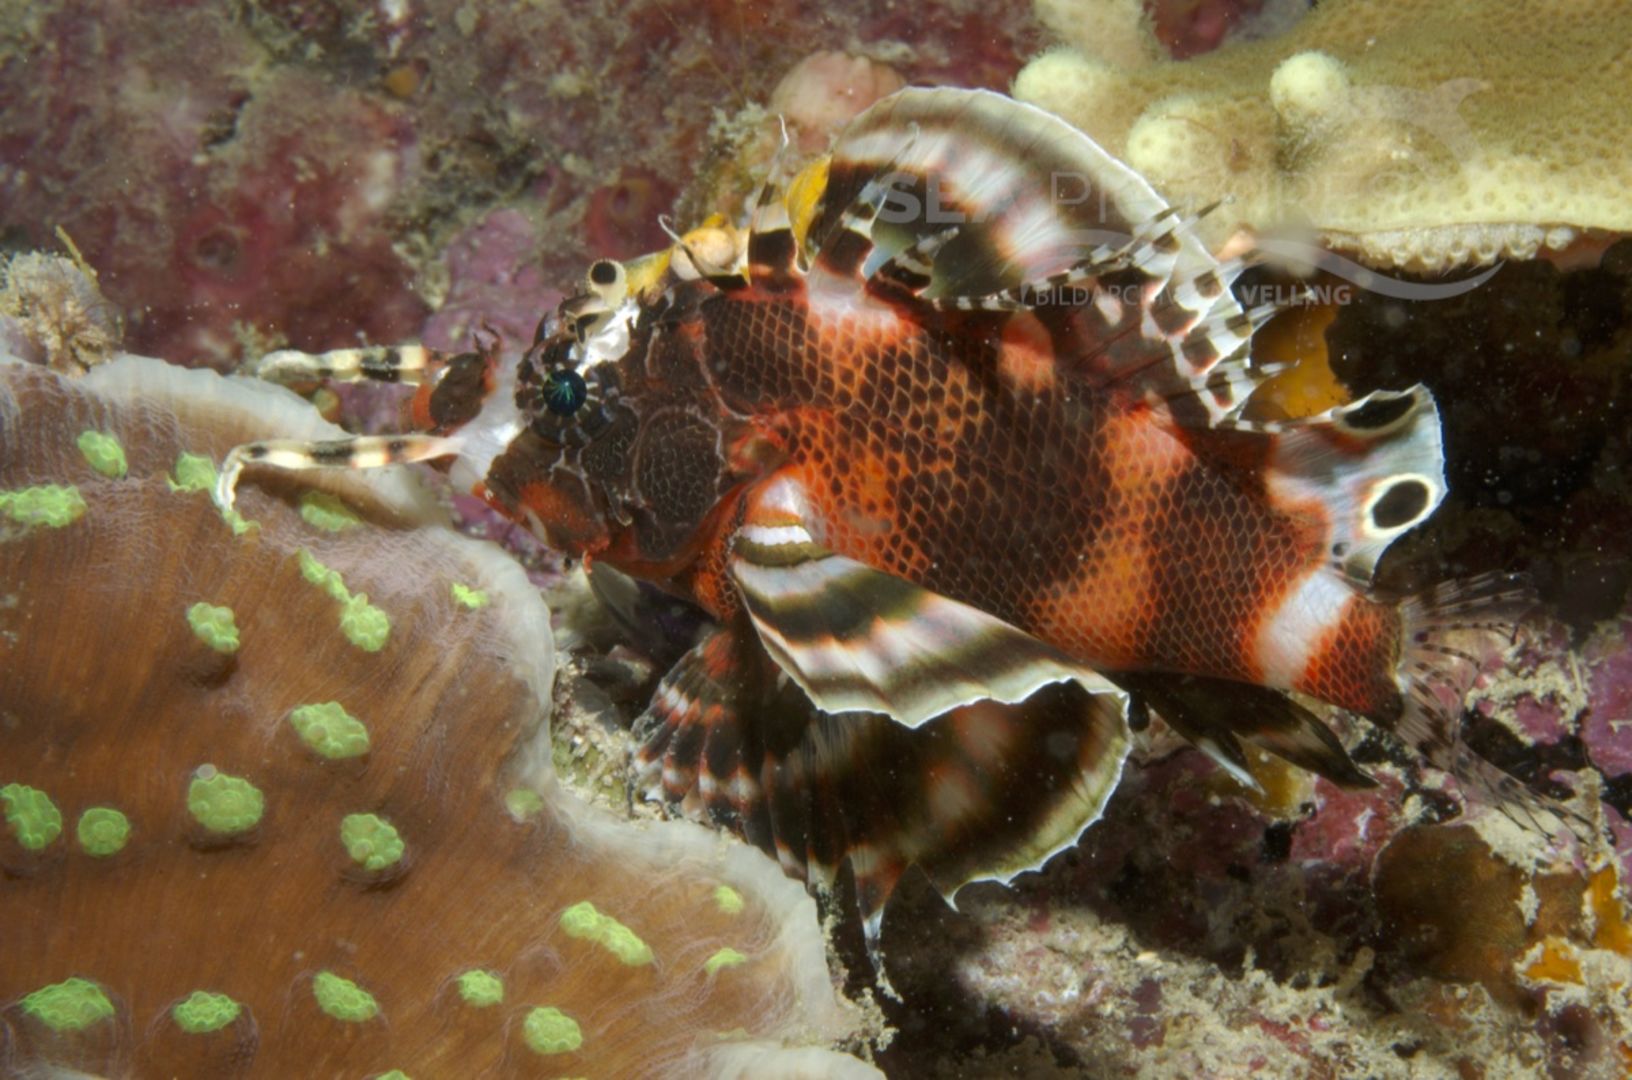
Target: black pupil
(564, 392)
(603, 273)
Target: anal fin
(1215, 713)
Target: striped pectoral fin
(702, 736)
(984, 792)
(857, 639)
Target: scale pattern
(1073, 511)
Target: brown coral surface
(332, 823)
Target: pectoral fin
(984, 792)
(857, 639)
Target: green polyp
(214, 626)
(194, 472)
(581, 920)
(343, 999)
(104, 453)
(481, 988)
(71, 1005)
(622, 942)
(371, 841)
(53, 505)
(364, 625)
(237, 522)
(523, 803)
(33, 817)
(322, 576)
(202, 1012)
(474, 599)
(222, 803)
(584, 922)
(330, 730)
(548, 1030)
(728, 900)
(321, 510)
(394, 1074)
(103, 831)
(725, 958)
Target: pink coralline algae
(1607, 728)
(217, 198)
(1192, 27)
(825, 91)
(250, 175)
(495, 283)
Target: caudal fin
(1453, 633)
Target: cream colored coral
(1417, 133)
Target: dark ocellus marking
(1400, 504)
(1379, 412)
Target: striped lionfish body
(952, 452)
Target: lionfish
(952, 449)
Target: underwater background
(439, 874)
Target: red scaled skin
(969, 460)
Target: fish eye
(564, 391)
(605, 273)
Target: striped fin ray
(845, 251)
(772, 250)
(356, 452)
(985, 792)
(845, 254)
(1453, 633)
(856, 639)
(1031, 194)
(1185, 342)
(373, 363)
(907, 273)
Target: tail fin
(1453, 633)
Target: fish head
(629, 445)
